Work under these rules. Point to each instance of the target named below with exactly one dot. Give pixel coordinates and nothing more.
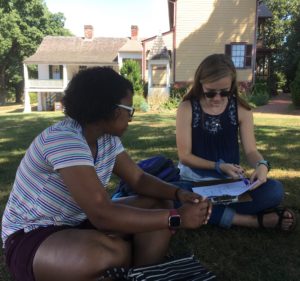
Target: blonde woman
(211, 121)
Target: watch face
(174, 221)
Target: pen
(242, 177)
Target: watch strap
(264, 162)
(173, 213)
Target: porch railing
(45, 84)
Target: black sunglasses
(212, 94)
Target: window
(240, 53)
(55, 72)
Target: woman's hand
(233, 170)
(260, 174)
(196, 214)
(185, 196)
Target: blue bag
(158, 166)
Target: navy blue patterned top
(215, 137)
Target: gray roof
(132, 46)
(263, 11)
(159, 50)
(77, 50)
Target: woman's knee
(278, 191)
(274, 191)
(117, 253)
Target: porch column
(149, 77)
(27, 106)
(65, 76)
(168, 77)
(40, 101)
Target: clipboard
(224, 199)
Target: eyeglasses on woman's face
(128, 108)
(222, 93)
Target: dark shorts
(20, 249)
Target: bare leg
(269, 220)
(149, 247)
(79, 255)
(83, 255)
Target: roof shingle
(77, 50)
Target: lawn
(237, 254)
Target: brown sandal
(280, 213)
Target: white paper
(231, 189)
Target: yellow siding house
(200, 28)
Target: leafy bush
(280, 80)
(132, 71)
(145, 89)
(171, 103)
(295, 88)
(259, 95)
(140, 103)
(175, 98)
(33, 98)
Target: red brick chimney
(88, 32)
(134, 32)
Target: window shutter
(228, 50)
(50, 72)
(248, 58)
(61, 72)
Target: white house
(58, 58)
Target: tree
(278, 30)
(292, 50)
(23, 24)
(132, 71)
(278, 27)
(295, 88)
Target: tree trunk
(19, 91)
(3, 89)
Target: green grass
(237, 254)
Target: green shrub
(175, 98)
(145, 89)
(140, 103)
(33, 98)
(171, 103)
(259, 95)
(280, 80)
(132, 71)
(295, 88)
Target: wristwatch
(174, 220)
(264, 162)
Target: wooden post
(27, 106)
